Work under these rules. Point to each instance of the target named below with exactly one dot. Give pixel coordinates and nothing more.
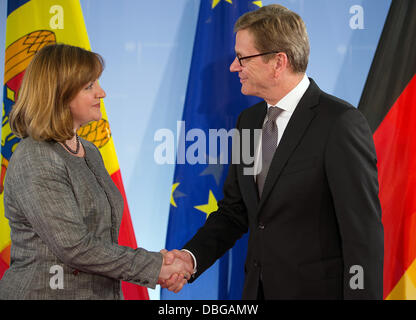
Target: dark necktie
(268, 145)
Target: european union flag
(213, 101)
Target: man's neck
(283, 87)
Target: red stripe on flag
(3, 268)
(126, 238)
(395, 141)
(4, 260)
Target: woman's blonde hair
(52, 80)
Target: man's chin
(246, 91)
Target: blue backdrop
(147, 46)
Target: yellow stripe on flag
(49, 15)
(405, 289)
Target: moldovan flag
(389, 103)
(31, 25)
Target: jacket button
(261, 226)
(255, 263)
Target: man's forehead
(244, 41)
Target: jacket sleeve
(351, 167)
(43, 193)
(223, 227)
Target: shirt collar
(290, 101)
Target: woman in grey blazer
(63, 208)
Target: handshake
(177, 269)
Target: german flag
(389, 103)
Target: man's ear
(281, 63)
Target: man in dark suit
(312, 208)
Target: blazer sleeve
(222, 228)
(351, 168)
(43, 193)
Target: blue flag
(213, 101)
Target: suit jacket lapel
(248, 185)
(293, 134)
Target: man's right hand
(180, 259)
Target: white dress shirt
(288, 104)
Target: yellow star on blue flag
(215, 2)
(210, 207)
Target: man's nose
(235, 65)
